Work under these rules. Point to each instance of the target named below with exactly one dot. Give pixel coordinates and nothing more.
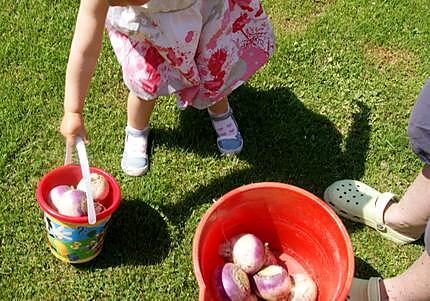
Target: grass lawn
(333, 103)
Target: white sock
(223, 126)
(136, 140)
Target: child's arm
(84, 52)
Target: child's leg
(414, 283)
(229, 139)
(139, 111)
(135, 159)
(220, 108)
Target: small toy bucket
(298, 226)
(72, 239)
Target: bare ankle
(394, 218)
(383, 291)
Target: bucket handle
(85, 169)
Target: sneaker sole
(232, 152)
(134, 172)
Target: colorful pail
(72, 239)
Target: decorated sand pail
(305, 233)
(73, 239)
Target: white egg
(304, 288)
(99, 186)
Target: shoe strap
(373, 291)
(381, 203)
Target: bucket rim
(82, 220)
(343, 292)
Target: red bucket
(298, 226)
(72, 239)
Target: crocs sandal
(362, 290)
(359, 202)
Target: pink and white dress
(199, 50)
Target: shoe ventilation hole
(356, 203)
(354, 196)
(348, 201)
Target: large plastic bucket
(296, 224)
(72, 239)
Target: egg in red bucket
(304, 288)
(56, 193)
(251, 269)
(73, 202)
(99, 186)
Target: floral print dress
(200, 53)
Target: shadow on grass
(364, 270)
(283, 142)
(137, 235)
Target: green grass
(332, 103)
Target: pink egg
(73, 203)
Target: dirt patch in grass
(388, 59)
(291, 19)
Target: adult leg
(410, 215)
(414, 283)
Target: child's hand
(72, 125)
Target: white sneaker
(134, 160)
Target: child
(199, 50)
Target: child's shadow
(137, 234)
(283, 142)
